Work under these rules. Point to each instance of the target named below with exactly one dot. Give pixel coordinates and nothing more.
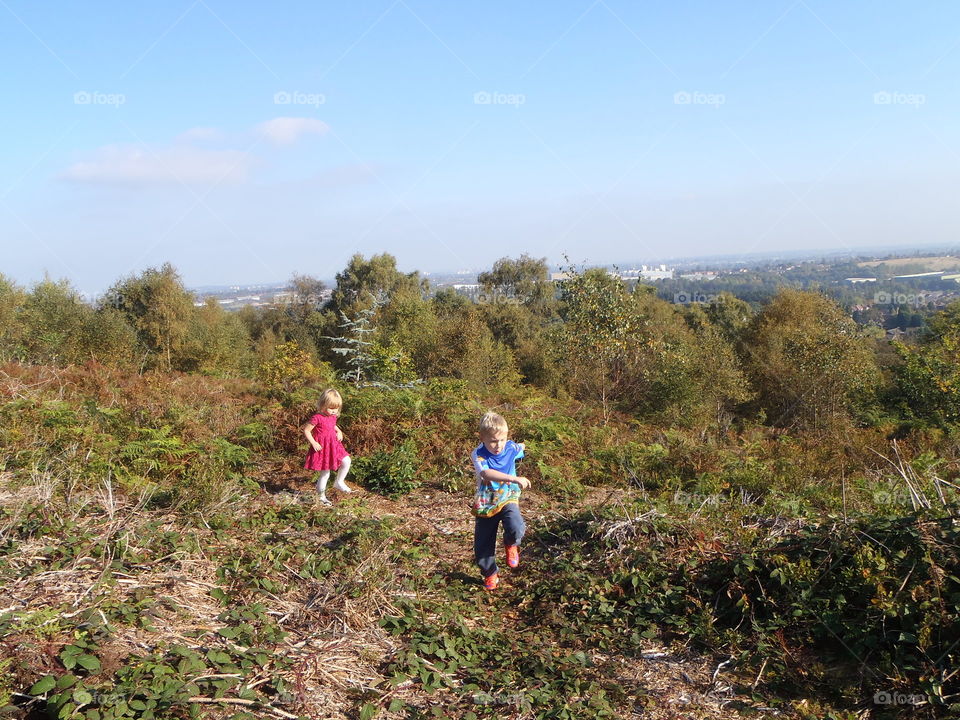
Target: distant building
(648, 273)
(860, 280)
(708, 275)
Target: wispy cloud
(288, 130)
(136, 165)
(182, 161)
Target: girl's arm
(339, 433)
(308, 433)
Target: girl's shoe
(342, 487)
(324, 500)
(513, 555)
(490, 582)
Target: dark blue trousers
(485, 536)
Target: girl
(327, 452)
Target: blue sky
(244, 142)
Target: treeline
(797, 361)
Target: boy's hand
(523, 482)
(522, 446)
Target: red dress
(331, 449)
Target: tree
(54, 323)
(808, 361)
(597, 332)
(459, 344)
(730, 316)
(11, 298)
(368, 361)
(354, 345)
(525, 280)
(928, 375)
(158, 306)
(216, 342)
(374, 278)
(636, 352)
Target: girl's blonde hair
(330, 398)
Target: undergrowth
(150, 574)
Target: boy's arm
(486, 474)
(497, 476)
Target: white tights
(338, 483)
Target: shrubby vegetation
(797, 360)
(784, 492)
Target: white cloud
(288, 130)
(132, 164)
(182, 161)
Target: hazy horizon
(243, 143)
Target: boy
(497, 497)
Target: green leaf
(44, 685)
(66, 681)
(82, 696)
(218, 657)
(89, 662)
(368, 711)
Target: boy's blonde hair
(329, 399)
(492, 422)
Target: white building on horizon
(660, 272)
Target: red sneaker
(513, 555)
(491, 582)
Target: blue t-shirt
(493, 495)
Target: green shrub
(390, 472)
(631, 463)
